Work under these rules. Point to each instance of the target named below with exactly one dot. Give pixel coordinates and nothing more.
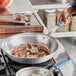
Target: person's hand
(65, 16)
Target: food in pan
(31, 50)
(34, 75)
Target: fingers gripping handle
(60, 24)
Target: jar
(73, 24)
(50, 18)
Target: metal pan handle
(62, 63)
(60, 24)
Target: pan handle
(60, 24)
(62, 63)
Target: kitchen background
(49, 11)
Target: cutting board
(33, 27)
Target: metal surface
(33, 70)
(41, 71)
(69, 69)
(23, 38)
(12, 67)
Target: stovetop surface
(9, 67)
(67, 70)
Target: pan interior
(16, 40)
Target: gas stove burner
(9, 67)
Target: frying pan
(23, 38)
(33, 70)
(42, 71)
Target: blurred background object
(4, 3)
(73, 24)
(63, 1)
(4, 10)
(50, 18)
(40, 2)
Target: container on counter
(73, 24)
(50, 18)
(64, 28)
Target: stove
(9, 67)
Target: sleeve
(73, 3)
